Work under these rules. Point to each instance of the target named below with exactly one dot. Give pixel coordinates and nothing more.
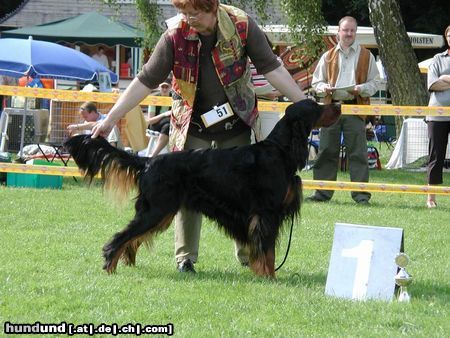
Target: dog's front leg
(264, 265)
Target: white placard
(362, 262)
(344, 90)
(217, 114)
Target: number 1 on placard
(363, 253)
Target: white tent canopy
(279, 35)
(412, 144)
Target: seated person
(91, 116)
(158, 119)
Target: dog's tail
(119, 170)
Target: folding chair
(58, 154)
(313, 148)
(50, 131)
(343, 160)
(152, 140)
(381, 136)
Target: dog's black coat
(248, 190)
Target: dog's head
(87, 152)
(313, 114)
(293, 130)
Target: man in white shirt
(90, 115)
(348, 74)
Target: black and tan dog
(249, 190)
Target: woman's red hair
(207, 6)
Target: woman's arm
(132, 96)
(285, 84)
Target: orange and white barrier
(79, 96)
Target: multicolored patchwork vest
(231, 63)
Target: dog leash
(292, 222)
(288, 247)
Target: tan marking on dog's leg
(264, 266)
(131, 248)
(270, 263)
(113, 264)
(288, 198)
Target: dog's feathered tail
(118, 169)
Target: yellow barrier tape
(307, 184)
(394, 110)
(76, 96)
(376, 187)
(271, 106)
(39, 169)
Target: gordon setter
(248, 190)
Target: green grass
(50, 269)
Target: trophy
(402, 279)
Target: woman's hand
(102, 128)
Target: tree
(397, 55)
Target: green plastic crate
(35, 180)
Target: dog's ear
(330, 114)
(299, 143)
(301, 117)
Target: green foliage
(306, 25)
(261, 7)
(114, 4)
(304, 19)
(149, 13)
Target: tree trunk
(405, 82)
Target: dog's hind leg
(129, 254)
(262, 247)
(142, 228)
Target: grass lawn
(51, 269)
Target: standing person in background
(438, 126)
(207, 47)
(158, 119)
(130, 62)
(100, 57)
(351, 66)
